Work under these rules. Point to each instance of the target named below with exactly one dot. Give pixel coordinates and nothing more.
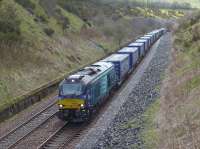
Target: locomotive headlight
(82, 106)
(60, 106)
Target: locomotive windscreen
(71, 89)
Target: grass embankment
(41, 40)
(182, 3)
(148, 125)
(149, 134)
(194, 3)
(38, 46)
(180, 113)
(157, 13)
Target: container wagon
(163, 31)
(156, 32)
(151, 38)
(154, 37)
(140, 46)
(133, 53)
(145, 41)
(121, 63)
(148, 39)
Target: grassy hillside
(39, 44)
(180, 114)
(194, 3)
(165, 3)
(41, 40)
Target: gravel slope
(131, 102)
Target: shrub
(186, 44)
(196, 32)
(3, 89)
(27, 4)
(41, 19)
(9, 24)
(49, 31)
(82, 8)
(63, 20)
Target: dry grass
(179, 115)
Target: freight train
(84, 91)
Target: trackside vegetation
(179, 113)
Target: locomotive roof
(128, 49)
(89, 73)
(136, 44)
(116, 57)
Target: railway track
(63, 136)
(14, 136)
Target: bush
(82, 8)
(9, 24)
(63, 20)
(186, 44)
(196, 32)
(49, 31)
(27, 4)
(41, 19)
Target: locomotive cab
(71, 94)
(81, 93)
(72, 101)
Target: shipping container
(163, 31)
(153, 35)
(133, 54)
(151, 38)
(121, 63)
(140, 46)
(148, 39)
(157, 34)
(145, 41)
